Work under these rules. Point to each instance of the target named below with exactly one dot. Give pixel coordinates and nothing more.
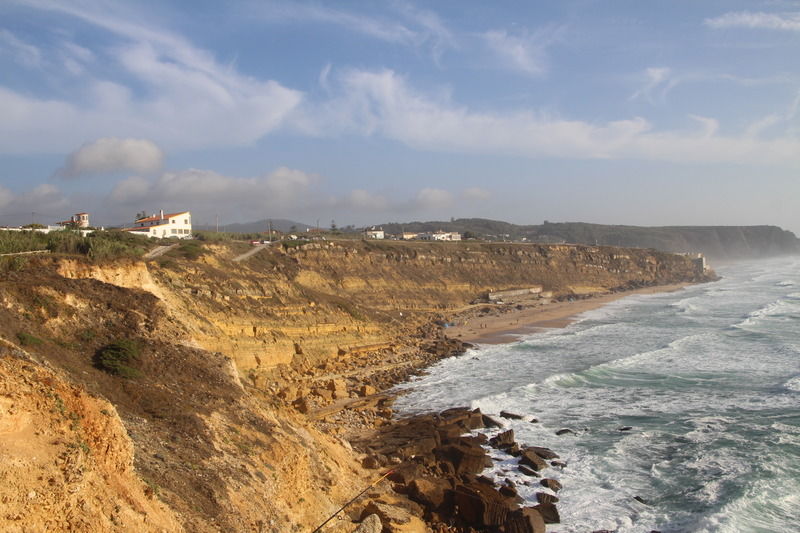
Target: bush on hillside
(117, 357)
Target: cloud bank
(111, 155)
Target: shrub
(26, 339)
(191, 250)
(117, 357)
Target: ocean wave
(793, 384)
(783, 308)
(785, 283)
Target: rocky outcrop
(436, 465)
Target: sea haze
(708, 379)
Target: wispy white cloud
(382, 103)
(656, 83)
(756, 20)
(189, 99)
(525, 52)
(23, 53)
(411, 26)
(111, 154)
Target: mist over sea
(708, 378)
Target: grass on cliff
(97, 246)
(117, 357)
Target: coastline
(435, 454)
(505, 325)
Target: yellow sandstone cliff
(212, 434)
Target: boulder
(526, 520)
(549, 513)
(481, 506)
(388, 514)
(489, 422)
(370, 524)
(502, 440)
(565, 431)
(532, 459)
(544, 453)
(303, 405)
(528, 471)
(510, 416)
(430, 492)
(367, 390)
(465, 458)
(543, 497)
(406, 473)
(551, 484)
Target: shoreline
(502, 325)
(433, 463)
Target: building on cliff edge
(163, 225)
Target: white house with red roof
(164, 225)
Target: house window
(173, 221)
(174, 231)
(185, 220)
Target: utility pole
(217, 222)
(270, 230)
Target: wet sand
(499, 328)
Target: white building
(78, 220)
(441, 236)
(163, 225)
(374, 233)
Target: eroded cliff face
(323, 300)
(228, 349)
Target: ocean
(707, 378)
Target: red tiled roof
(158, 217)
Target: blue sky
(624, 112)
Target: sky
(627, 112)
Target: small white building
(374, 233)
(408, 235)
(164, 226)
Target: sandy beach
(509, 324)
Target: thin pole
(343, 507)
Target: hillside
(716, 242)
(229, 415)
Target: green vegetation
(98, 246)
(294, 244)
(191, 250)
(26, 339)
(224, 236)
(117, 357)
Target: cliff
(220, 423)
(716, 242)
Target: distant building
(408, 235)
(440, 236)
(163, 225)
(374, 233)
(78, 220)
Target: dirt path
(159, 251)
(250, 253)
